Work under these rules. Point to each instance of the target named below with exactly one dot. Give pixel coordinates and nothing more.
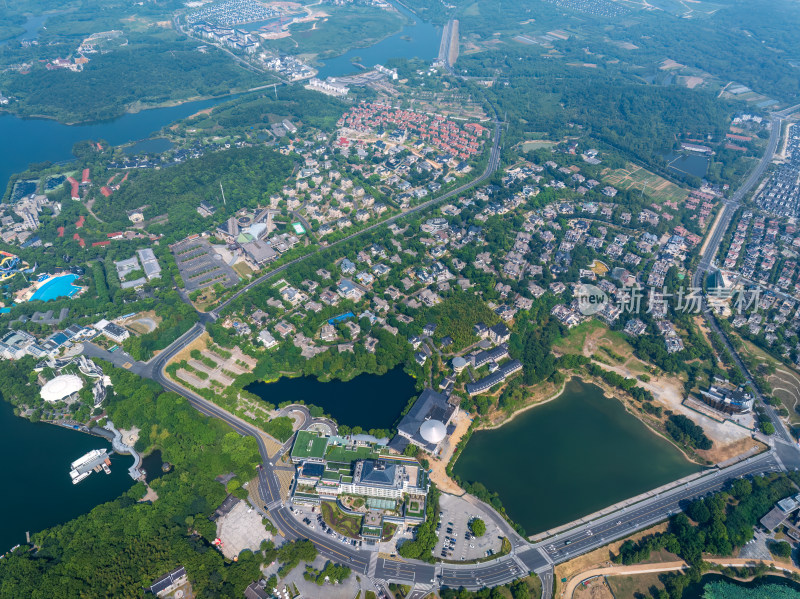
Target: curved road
(524, 558)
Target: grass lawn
(785, 380)
(242, 269)
(534, 588)
(573, 343)
(640, 585)
(614, 343)
(344, 524)
(635, 177)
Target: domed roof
(459, 362)
(60, 387)
(433, 431)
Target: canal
(38, 490)
(369, 400)
(568, 458)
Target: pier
(110, 432)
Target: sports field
(635, 177)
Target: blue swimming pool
(56, 287)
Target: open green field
(344, 524)
(635, 177)
(641, 585)
(343, 29)
(536, 144)
(598, 335)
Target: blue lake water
(693, 164)
(156, 145)
(418, 39)
(31, 27)
(56, 287)
(38, 140)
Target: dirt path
(573, 583)
(673, 566)
(89, 206)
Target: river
(38, 490)
(568, 458)
(368, 400)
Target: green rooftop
(340, 455)
(309, 445)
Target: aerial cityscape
(400, 299)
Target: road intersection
(524, 557)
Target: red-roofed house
(74, 184)
(79, 223)
(85, 176)
(97, 243)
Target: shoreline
(131, 108)
(607, 392)
(530, 406)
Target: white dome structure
(433, 431)
(61, 387)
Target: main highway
(785, 446)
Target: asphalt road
(786, 449)
(622, 523)
(491, 167)
(538, 558)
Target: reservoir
(569, 458)
(38, 140)
(38, 491)
(368, 400)
(417, 39)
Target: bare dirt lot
(241, 529)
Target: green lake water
(568, 458)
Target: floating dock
(96, 460)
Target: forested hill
(248, 175)
(541, 95)
(121, 547)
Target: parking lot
(200, 266)
(312, 518)
(453, 528)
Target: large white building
(61, 388)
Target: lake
(417, 39)
(37, 140)
(154, 145)
(31, 27)
(38, 490)
(368, 400)
(569, 458)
